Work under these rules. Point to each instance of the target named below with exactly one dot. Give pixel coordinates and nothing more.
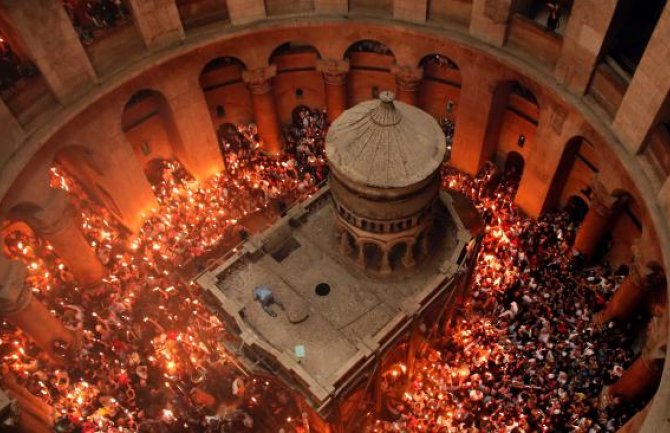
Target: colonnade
(640, 293)
(363, 260)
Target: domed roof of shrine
(385, 143)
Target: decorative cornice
(334, 71)
(259, 81)
(407, 77)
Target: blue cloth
(263, 294)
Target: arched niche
(149, 127)
(440, 87)
(514, 166)
(298, 82)
(513, 120)
(87, 169)
(370, 63)
(227, 96)
(574, 176)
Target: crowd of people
(522, 354)
(90, 17)
(152, 356)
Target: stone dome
(385, 143)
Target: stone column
(345, 247)
(19, 307)
(58, 224)
(360, 259)
(648, 90)
(53, 45)
(475, 108)
(259, 82)
(424, 245)
(543, 170)
(246, 11)
(603, 211)
(489, 20)
(407, 80)
(637, 382)
(35, 415)
(583, 42)
(408, 259)
(414, 11)
(335, 77)
(412, 348)
(641, 378)
(385, 267)
(634, 424)
(633, 293)
(195, 144)
(158, 21)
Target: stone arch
(397, 253)
(227, 96)
(421, 244)
(625, 231)
(148, 124)
(576, 169)
(513, 120)
(87, 168)
(297, 80)
(372, 254)
(370, 63)
(440, 87)
(228, 137)
(514, 166)
(292, 47)
(577, 206)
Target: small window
(145, 148)
(375, 92)
(299, 93)
(521, 141)
(450, 106)
(220, 111)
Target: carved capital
(656, 344)
(604, 202)
(57, 214)
(14, 294)
(334, 71)
(259, 81)
(407, 77)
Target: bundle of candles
(152, 356)
(522, 355)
